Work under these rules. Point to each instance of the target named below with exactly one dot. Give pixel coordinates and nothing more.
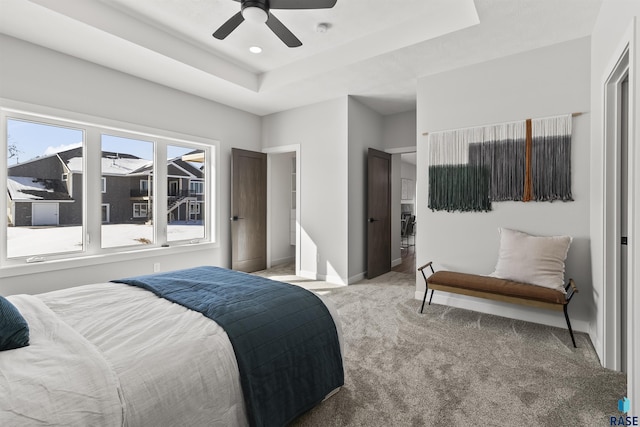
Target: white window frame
(106, 220)
(93, 253)
(195, 205)
(104, 184)
(140, 207)
(144, 186)
(200, 185)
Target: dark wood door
(248, 210)
(378, 213)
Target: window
(196, 187)
(140, 210)
(186, 167)
(56, 175)
(130, 166)
(44, 213)
(105, 213)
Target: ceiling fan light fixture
(254, 14)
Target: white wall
(616, 26)
(280, 208)
(365, 131)
(41, 76)
(399, 130)
(321, 131)
(544, 82)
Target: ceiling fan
(258, 11)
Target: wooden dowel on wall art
(572, 115)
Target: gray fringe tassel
(551, 168)
(506, 161)
(459, 188)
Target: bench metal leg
(425, 298)
(566, 316)
(426, 284)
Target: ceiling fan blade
(226, 28)
(282, 32)
(302, 4)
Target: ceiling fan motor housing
(255, 10)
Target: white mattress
(150, 362)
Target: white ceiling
(374, 50)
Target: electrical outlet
(156, 267)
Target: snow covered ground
(29, 241)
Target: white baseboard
(396, 262)
(276, 262)
(336, 280)
(597, 345)
(511, 311)
(308, 275)
(354, 279)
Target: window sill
(89, 260)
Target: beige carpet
(456, 367)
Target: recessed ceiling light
(323, 27)
(255, 49)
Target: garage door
(44, 213)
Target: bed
(113, 354)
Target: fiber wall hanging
(528, 160)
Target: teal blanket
(284, 337)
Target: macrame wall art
(528, 160)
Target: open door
(248, 210)
(378, 213)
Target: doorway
(403, 207)
(283, 206)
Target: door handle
(373, 220)
(235, 218)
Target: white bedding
(59, 379)
(133, 346)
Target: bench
(497, 289)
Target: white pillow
(531, 259)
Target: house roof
(123, 164)
(113, 166)
(22, 188)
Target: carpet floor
(456, 367)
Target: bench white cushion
(537, 260)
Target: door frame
(610, 209)
(281, 150)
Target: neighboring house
(48, 190)
(37, 201)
